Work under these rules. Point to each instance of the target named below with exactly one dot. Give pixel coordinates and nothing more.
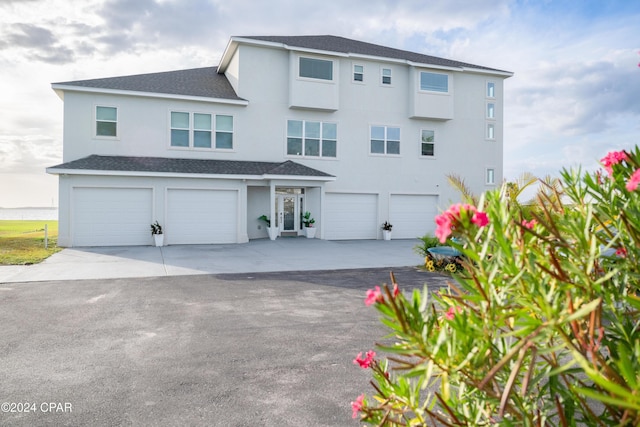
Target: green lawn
(22, 242)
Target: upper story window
(490, 176)
(198, 130)
(434, 82)
(385, 74)
(491, 110)
(491, 131)
(428, 143)
(313, 139)
(106, 121)
(315, 68)
(491, 90)
(358, 73)
(385, 140)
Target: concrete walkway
(283, 254)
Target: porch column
(272, 203)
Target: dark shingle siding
(203, 82)
(344, 45)
(188, 166)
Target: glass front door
(288, 211)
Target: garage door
(111, 216)
(201, 216)
(350, 216)
(412, 215)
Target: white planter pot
(310, 232)
(273, 232)
(158, 239)
(386, 234)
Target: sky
(574, 96)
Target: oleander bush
(542, 328)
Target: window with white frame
(427, 143)
(106, 121)
(491, 110)
(490, 176)
(434, 82)
(385, 74)
(314, 68)
(491, 90)
(358, 73)
(201, 130)
(491, 131)
(385, 140)
(311, 139)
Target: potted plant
(308, 222)
(386, 230)
(273, 231)
(156, 232)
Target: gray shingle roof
(205, 82)
(344, 45)
(188, 166)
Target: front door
(288, 212)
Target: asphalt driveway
(261, 349)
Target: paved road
(245, 349)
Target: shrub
(543, 326)
(427, 241)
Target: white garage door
(111, 216)
(412, 215)
(350, 216)
(201, 216)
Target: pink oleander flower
(451, 312)
(443, 227)
(446, 221)
(612, 158)
(621, 252)
(396, 290)
(634, 180)
(357, 405)
(529, 224)
(373, 296)
(480, 219)
(367, 361)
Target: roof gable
(348, 46)
(199, 82)
(164, 165)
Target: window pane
(490, 111)
(224, 123)
(224, 140)
(106, 128)
(311, 147)
(358, 68)
(179, 138)
(202, 139)
(202, 121)
(434, 82)
(393, 147)
(358, 77)
(294, 146)
(377, 146)
(427, 136)
(427, 149)
(312, 129)
(106, 113)
(490, 131)
(180, 120)
(491, 87)
(490, 176)
(377, 132)
(316, 68)
(329, 148)
(386, 80)
(386, 72)
(294, 128)
(393, 133)
(329, 131)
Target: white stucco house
(355, 133)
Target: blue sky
(574, 96)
